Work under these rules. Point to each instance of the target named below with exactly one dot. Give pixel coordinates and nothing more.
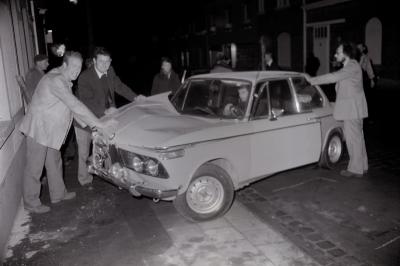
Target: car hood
(155, 124)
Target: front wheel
(333, 151)
(209, 195)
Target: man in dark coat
(270, 64)
(34, 74)
(96, 88)
(222, 65)
(166, 80)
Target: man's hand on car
(110, 111)
(140, 98)
(108, 127)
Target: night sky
(135, 32)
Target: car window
(261, 104)
(281, 98)
(307, 95)
(220, 98)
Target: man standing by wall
(46, 125)
(270, 63)
(96, 88)
(34, 74)
(221, 65)
(350, 106)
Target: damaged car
(217, 134)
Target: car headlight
(137, 164)
(143, 164)
(152, 167)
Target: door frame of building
(315, 25)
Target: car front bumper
(124, 178)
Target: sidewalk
(238, 238)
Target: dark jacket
(221, 68)
(32, 79)
(90, 90)
(161, 83)
(273, 66)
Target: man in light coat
(350, 106)
(46, 125)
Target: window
(282, 3)
(373, 39)
(281, 98)
(213, 98)
(261, 7)
(245, 13)
(308, 96)
(284, 50)
(260, 103)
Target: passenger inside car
(214, 95)
(239, 109)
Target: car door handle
(313, 119)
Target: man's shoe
(350, 174)
(38, 209)
(67, 196)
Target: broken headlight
(143, 164)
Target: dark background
(136, 33)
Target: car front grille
(114, 154)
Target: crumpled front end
(114, 165)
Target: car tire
(333, 151)
(209, 195)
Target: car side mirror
(275, 113)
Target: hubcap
(205, 194)
(335, 149)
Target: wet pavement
(106, 226)
(305, 216)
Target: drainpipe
(304, 35)
(34, 27)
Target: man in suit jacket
(46, 125)
(97, 86)
(270, 63)
(350, 106)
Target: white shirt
(99, 74)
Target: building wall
(356, 15)
(16, 54)
(11, 186)
(289, 19)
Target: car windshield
(218, 98)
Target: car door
(284, 136)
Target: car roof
(249, 75)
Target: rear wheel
(333, 151)
(209, 195)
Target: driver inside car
(239, 109)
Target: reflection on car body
(196, 149)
